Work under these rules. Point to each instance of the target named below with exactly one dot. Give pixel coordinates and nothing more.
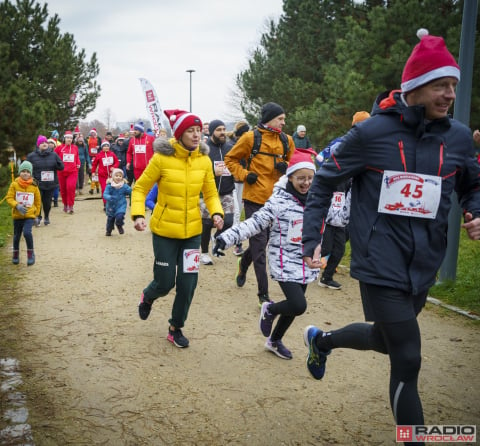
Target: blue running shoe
(316, 358)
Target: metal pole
(461, 112)
(190, 72)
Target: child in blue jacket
(115, 195)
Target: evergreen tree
(41, 69)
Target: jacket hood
(281, 183)
(166, 147)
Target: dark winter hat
(270, 110)
(213, 125)
(139, 126)
(181, 120)
(430, 60)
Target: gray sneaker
(266, 319)
(278, 348)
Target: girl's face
(117, 177)
(106, 148)
(43, 146)
(302, 179)
(191, 137)
(51, 145)
(68, 140)
(25, 175)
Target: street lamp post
(190, 72)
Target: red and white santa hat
(181, 120)
(76, 131)
(430, 60)
(68, 134)
(94, 130)
(105, 143)
(301, 159)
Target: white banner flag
(159, 120)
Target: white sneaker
(205, 259)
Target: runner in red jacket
(67, 178)
(140, 150)
(105, 162)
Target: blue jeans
(23, 226)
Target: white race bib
(25, 198)
(294, 234)
(95, 177)
(410, 194)
(107, 161)
(68, 157)
(225, 172)
(140, 148)
(191, 260)
(94, 150)
(338, 200)
(47, 175)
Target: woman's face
(191, 137)
(302, 179)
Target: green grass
(464, 291)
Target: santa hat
(68, 134)
(359, 117)
(181, 120)
(121, 136)
(301, 159)
(105, 143)
(94, 130)
(139, 126)
(51, 140)
(76, 131)
(430, 60)
(131, 128)
(41, 139)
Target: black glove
(217, 250)
(21, 208)
(281, 167)
(252, 178)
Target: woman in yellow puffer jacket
(24, 198)
(182, 170)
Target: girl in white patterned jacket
(283, 213)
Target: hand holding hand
(140, 224)
(315, 262)
(219, 247)
(217, 222)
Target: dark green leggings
(168, 271)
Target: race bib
(294, 233)
(225, 171)
(68, 157)
(107, 161)
(25, 198)
(338, 200)
(95, 177)
(47, 175)
(410, 194)
(140, 148)
(191, 260)
(94, 151)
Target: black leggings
(294, 305)
(401, 341)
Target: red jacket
(139, 151)
(106, 162)
(69, 156)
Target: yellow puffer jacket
(30, 194)
(181, 176)
(262, 165)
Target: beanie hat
(76, 131)
(41, 139)
(139, 126)
(26, 165)
(430, 60)
(270, 110)
(105, 143)
(116, 170)
(68, 134)
(55, 134)
(301, 159)
(214, 124)
(181, 120)
(359, 117)
(301, 128)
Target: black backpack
(257, 142)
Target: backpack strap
(257, 142)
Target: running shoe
(278, 348)
(316, 359)
(332, 284)
(46, 222)
(266, 319)
(205, 259)
(241, 276)
(177, 339)
(238, 250)
(262, 298)
(144, 307)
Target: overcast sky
(159, 40)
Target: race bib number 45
(410, 194)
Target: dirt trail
(95, 374)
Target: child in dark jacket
(116, 192)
